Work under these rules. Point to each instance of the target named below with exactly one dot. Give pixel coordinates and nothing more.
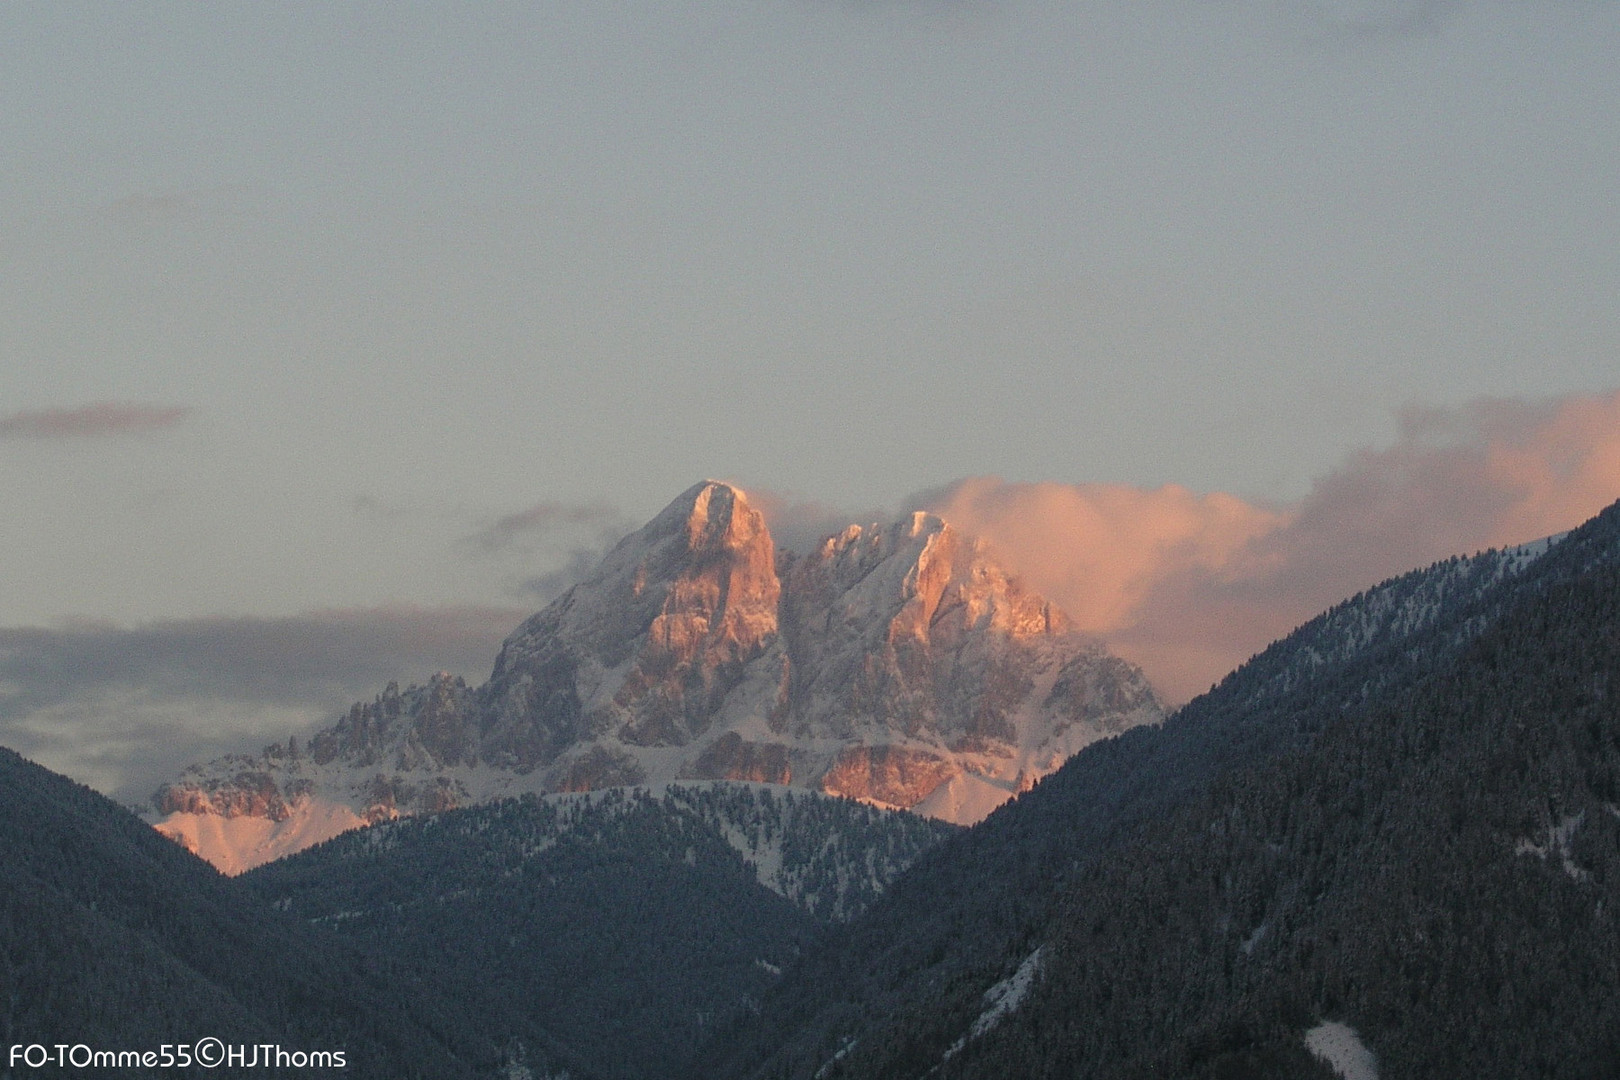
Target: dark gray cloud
(122, 708)
(98, 420)
(295, 659)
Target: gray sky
(311, 310)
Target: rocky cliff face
(645, 652)
(896, 663)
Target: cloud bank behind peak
(1189, 585)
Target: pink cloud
(800, 524)
(91, 421)
(1100, 549)
(1189, 585)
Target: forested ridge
(1440, 868)
(115, 937)
(1209, 890)
(626, 922)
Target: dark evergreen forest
(625, 924)
(1417, 836)
(115, 937)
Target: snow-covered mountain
(897, 664)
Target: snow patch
(1558, 838)
(1340, 1046)
(1403, 606)
(1001, 999)
(849, 1044)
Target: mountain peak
(704, 509)
(893, 662)
(709, 519)
(924, 522)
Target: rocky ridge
(897, 664)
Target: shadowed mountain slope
(628, 922)
(1437, 870)
(113, 937)
(908, 982)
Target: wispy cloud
(542, 587)
(799, 524)
(99, 420)
(1393, 18)
(122, 708)
(567, 539)
(545, 519)
(146, 207)
(1190, 585)
(167, 208)
(382, 509)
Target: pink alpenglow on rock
(895, 663)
